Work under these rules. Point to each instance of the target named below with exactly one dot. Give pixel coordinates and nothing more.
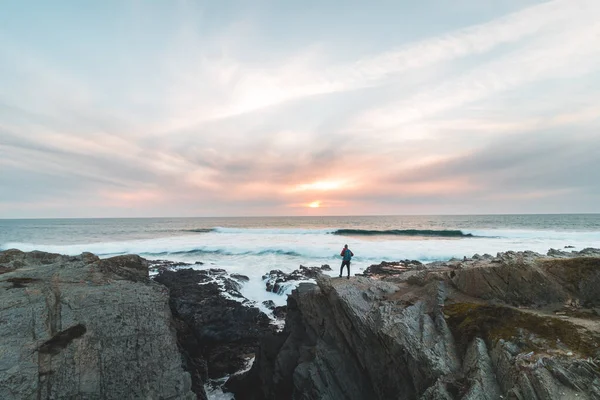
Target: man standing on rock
(347, 256)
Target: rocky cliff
(85, 328)
(515, 326)
(219, 329)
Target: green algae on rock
(532, 332)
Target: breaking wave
(403, 232)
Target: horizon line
(305, 216)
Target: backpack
(347, 256)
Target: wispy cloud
(239, 88)
(192, 122)
(557, 56)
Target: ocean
(255, 245)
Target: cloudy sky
(215, 108)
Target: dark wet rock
(241, 278)
(158, 265)
(270, 304)
(193, 356)
(569, 247)
(280, 312)
(279, 282)
(232, 288)
(225, 325)
(80, 327)
(217, 271)
(273, 280)
(313, 272)
(454, 334)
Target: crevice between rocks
(62, 339)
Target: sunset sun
(315, 204)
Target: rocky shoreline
(515, 326)
(519, 325)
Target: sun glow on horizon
(315, 204)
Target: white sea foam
(214, 392)
(253, 252)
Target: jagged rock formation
(154, 266)
(221, 328)
(279, 282)
(391, 268)
(85, 328)
(515, 326)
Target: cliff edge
(514, 326)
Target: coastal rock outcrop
(279, 282)
(223, 327)
(391, 268)
(516, 326)
(85, 328)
